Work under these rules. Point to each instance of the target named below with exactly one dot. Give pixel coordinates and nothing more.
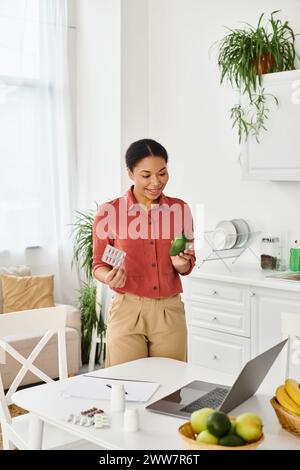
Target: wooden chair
(290, 327)
(46, 322)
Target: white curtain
(37, 151)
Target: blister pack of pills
(91, 417)
(101, 421)
(113, 256)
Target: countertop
(242, 273)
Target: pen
(109, 386)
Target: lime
(218, 424)
(231, 440)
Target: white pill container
(117, 398)
(131, 420)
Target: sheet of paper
(95, 387)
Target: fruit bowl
(186, 433)
(288, 420)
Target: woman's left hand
(182, 261)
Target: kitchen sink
(286, 276)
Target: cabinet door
(221, 306)
(219, 295)
(275, 157)
(219, 351)
(267, 305)
(199, 314)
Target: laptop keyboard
(212, 399)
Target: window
(23, 170)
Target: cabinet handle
(215, 357)
(252, 294)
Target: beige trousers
(139, 327)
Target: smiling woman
(150, 174)
(147, 315)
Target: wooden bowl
(186, 433)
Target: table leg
(35, 435)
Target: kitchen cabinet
(266, 309)
(275, 157)
(218, 318)
(219, 306)
(230, 323)
(219, 351)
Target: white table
(47, 404)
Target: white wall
(134, 76)
(112, 92)
(189, 112)
(144, 70)
(98, 100)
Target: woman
(146, 317)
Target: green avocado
(178, 245)
(231, 440)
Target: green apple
(249, 427)
(233, 424)
(199, 417)
(206, 437)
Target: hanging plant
(245, 55)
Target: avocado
(178, 245)
(231, 440)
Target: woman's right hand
(116, 278)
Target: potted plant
(245, 55)
(90, 320)
(82, 256)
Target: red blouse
(145, 236)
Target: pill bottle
(117, 397)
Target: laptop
(197, 394)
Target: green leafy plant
(83, 257)
(245, 55)
(83, 242)
(90, 320)
(251, 119)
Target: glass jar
(270, 253)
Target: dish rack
(229, 253)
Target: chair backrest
(290, 327)
(43, 321)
